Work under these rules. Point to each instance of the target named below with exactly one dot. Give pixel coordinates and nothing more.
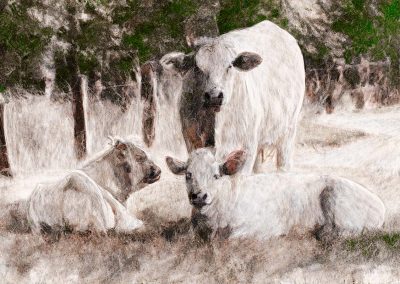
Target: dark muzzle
(153, 175)
(214, 102)
(197, 200)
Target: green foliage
(63, 73)
(318, 58)
(236, 14)
(391, 240)
(87, 63)
(137, 41)
(2, 88)
(376, 35)
(93, 34)
(368, 245)
(150, 28)
(125, 65)
(21, 43)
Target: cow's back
(270, 205)
(75, 201)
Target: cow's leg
(260, 158)
(125, 222)
(84, 207)
(251, 157)
(284, 151)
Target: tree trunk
(4, 163)
(77, 105)
(149, 109)
(79, 119)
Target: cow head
(204, 174)
(132, 167)
(213, 69)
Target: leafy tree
(373, 32)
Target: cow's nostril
(205, 196)
(152, 171)
(220, 95)
(207, 96)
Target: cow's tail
(14, 217)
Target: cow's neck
(102, 172)
(219, 212)
(234, 123)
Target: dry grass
(176, 256)
(169, 253)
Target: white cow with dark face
(92, 198)
(271, 205)
(254, 80)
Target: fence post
(4, 163)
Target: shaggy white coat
(79, 203)
(270, 205)
(91, 198)
(261, 106)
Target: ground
(362, 146)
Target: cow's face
(204, 174)
(132, 167)
(212, 72)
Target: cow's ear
(246, 61)
(233, 163)
(179, 62)
(121, 149)
(177, 167)
(120, 145)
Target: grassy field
(359, 145)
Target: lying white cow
(92, 198)
(254, 79)
(270, 205)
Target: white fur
(261, 107)
(86, 199)
(166, 200)
(81, 204)
(270, 205)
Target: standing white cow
(254, 79)
(92, 198)
(270, 205)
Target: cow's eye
(127, 168)
(188, 176)
(140, 158)
(217, 176)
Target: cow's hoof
(128, 225)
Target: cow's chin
(150, 180)
(214, 108)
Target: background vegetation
(116, 36)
